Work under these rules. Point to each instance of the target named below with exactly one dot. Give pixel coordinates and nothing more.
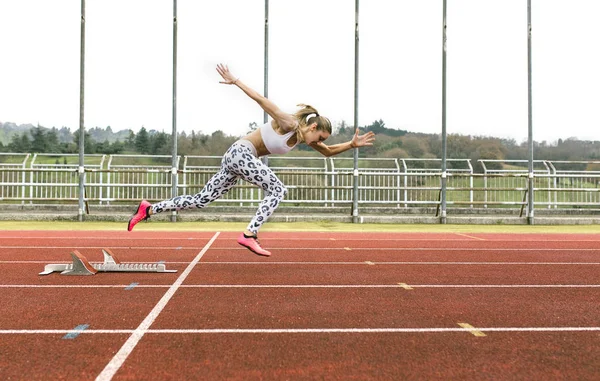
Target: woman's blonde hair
(305, 119)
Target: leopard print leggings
(238, 162)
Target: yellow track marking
(472, 329)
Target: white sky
(129, 61)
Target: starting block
(81, 266)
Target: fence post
(470, 182)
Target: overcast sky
(128, 70)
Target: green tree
(142, 141)
(52, 144)
(130, 142)
(38, 143)
(159, 144)
(89, 146)
(20, 143)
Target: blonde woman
(241, 160)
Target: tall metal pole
(265, 159)
(355, 177)
(444, 137)
(530, 186)
(174, 161)
(81, 114)
(266, 59)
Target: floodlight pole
(81, 115)
(530, 182)
(265, 159)
(174, 161)
(355, 173)
(444, 137)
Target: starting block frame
(81, 266)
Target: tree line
(390, 143)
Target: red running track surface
(324, 306)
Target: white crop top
(274, 142)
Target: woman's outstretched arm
(334, 149)
(286, 121)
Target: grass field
(300, 226)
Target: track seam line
(117, 361)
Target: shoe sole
(257, 253)
(129, 227)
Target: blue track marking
(76, 332)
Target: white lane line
(115, 363)
(79, 247)
(315, 250)
(287, 238)
(112, 238)
(400, 285)
(309, 286)
(295, 330)
(342, 263)
(401, 263)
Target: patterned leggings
(238, 162)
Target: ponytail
(308, 115)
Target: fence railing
(389, 182)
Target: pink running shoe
(140, 214)
(251, 243)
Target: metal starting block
(81, 266)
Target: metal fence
(391, 183)
(557, 184)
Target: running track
(348, 306)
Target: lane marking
(287, 238)
(309, 286)
(296, 330)
(79, 247)
(76, 332)
(117, 361)
(369, 263)
(338, 263)
(315, 249)
(347, 249)
(470, 236)
(405, 286)
(398, 263)
(472, 330)
(131, 286)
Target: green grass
(300, 227)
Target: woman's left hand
(362, 140)
(229, 79)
